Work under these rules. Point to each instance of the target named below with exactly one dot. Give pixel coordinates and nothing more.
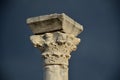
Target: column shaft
(55, 72)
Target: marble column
(55, 36)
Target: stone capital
(56, 47)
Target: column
(55, 36)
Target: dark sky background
(97, 56)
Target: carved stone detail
(56, 47)
(55, 35)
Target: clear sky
(97, 56)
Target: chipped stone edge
(53, 16)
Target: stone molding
(54, 22)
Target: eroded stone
(54, 22)
(56, 39)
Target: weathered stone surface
(53, 23)
(56, 47)
(56, 72)
(55, 36)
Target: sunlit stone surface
(55, 35)
(53, 23)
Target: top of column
(54, 22)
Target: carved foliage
(56, 47)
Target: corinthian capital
(56, 47)
(55, 35)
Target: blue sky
(97, 56)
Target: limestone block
(54, 22)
